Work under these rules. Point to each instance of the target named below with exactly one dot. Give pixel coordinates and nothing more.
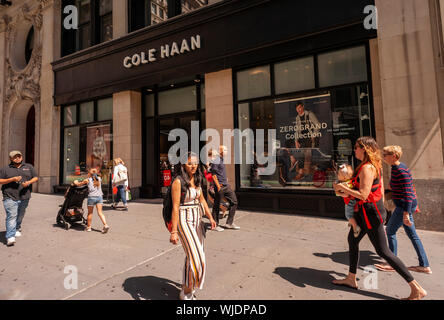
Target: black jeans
(228, 193)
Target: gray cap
(12, 154)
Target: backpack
(121, 176)
(168, 203)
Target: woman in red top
(368, 186)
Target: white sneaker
(18, 234)
(232, 226)
(218, 229)
(10, 242)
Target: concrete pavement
(273, 257)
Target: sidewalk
(273, 257)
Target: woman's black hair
(198, 176)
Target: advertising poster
(98, 149)
(304, 127)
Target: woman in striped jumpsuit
(187, 224)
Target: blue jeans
(121, 194)
(395, 222)
(15, 211)
(350, 209)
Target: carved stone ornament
(24, 84)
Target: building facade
(132, 71)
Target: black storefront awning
(232, 33)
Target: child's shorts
(92, 201)
(350, 209)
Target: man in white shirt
(307, 128)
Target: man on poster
(307, 128)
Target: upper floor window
(95, 25)
(143, 13)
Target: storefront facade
(231, 77)
(309, 70)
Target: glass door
(166, 169)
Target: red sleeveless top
(374, 196)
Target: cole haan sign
(165, 51)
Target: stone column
(2, 75)
(410, 99)
(120, 18)
(219, 110)
(127, 135)
(377, 98)
(47, 142)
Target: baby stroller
(71, 211)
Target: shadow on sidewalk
(303, 277)
(366, 258)
(152, 288)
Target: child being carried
(345, 174)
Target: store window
(342, 67)
(70, 115)
(87, 143)
(315, 127)
(253, 83)
(294, 75)
(105, 109)
(177, 100)
(87, 112)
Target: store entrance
(167, 107)
(166, 169)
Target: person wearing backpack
(188, 206)
(120, 181)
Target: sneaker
(105, 229)
(218, 229)
(18, 234)
(183, 296)
(88, 229)
(232, 226)
(10, 242)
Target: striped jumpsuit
(191, 234)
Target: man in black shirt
(217, 169)
(16, 180)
